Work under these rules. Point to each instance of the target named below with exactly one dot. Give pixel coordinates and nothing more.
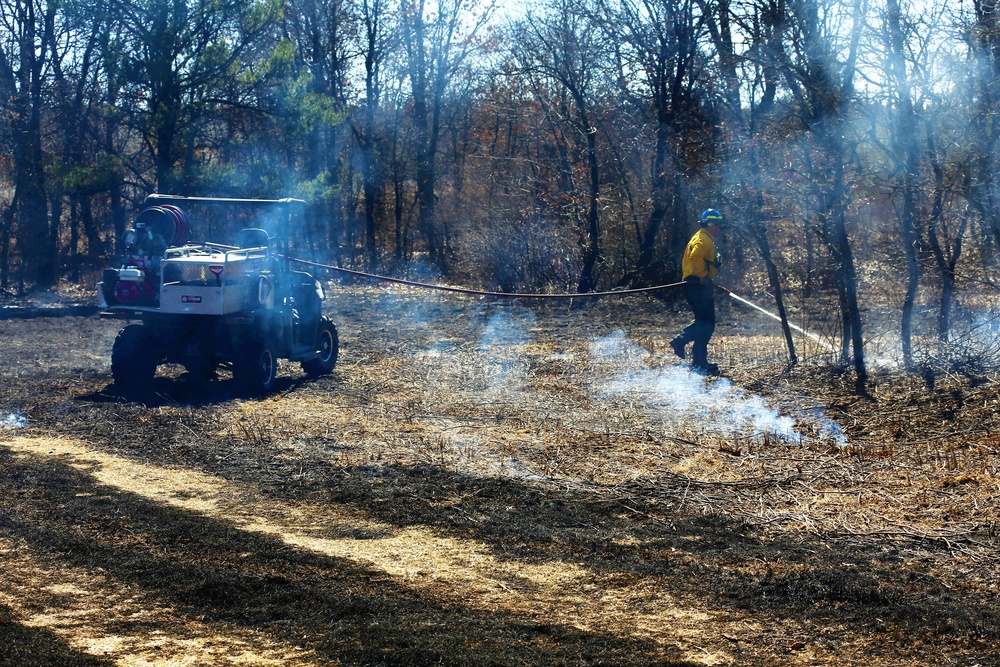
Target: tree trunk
(658, 188)
(5, 238)
(759, 233)
(592, 254)
(852, 312)
(402, 235)
(371, 194)
(908, 155)
(37, 262)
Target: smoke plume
(677, 394)
(14, 420)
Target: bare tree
(821, 78)
(946, 224)
(562, 48)
(28, 30)
(662, 41)
(322, 32)
(983, 35)
(923, 179)
(751, 81)
(437, 40)
(76, 65)
(378, 35)
(906, 154)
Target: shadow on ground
(24, 646)
(220, 574)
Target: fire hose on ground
(474, 292)
(565, 295)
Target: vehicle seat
(252, 237)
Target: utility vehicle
(206, 305)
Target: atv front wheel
(256, 369)
(328, 348)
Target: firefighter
(700, 265)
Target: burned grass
(483, 484)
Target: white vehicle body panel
(208, 281)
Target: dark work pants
(701, 298)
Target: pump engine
(137, 281)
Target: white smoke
(621, 369)
(441, 349)
(14, 420)
(676, 394)
(505, 369)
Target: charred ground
(481, 483)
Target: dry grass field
(484, 483)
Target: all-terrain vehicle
(206, 305)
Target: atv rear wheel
(133, 358)
(328, 347)
(256, 369)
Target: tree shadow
(187, 390)
(214, 571)
(24, 646)
(857, 587)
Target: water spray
(774, 316)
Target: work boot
(678, 347)
(706, 369)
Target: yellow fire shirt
(699, 257)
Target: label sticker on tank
(190, 299)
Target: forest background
(854, 145)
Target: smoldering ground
(484, 483)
